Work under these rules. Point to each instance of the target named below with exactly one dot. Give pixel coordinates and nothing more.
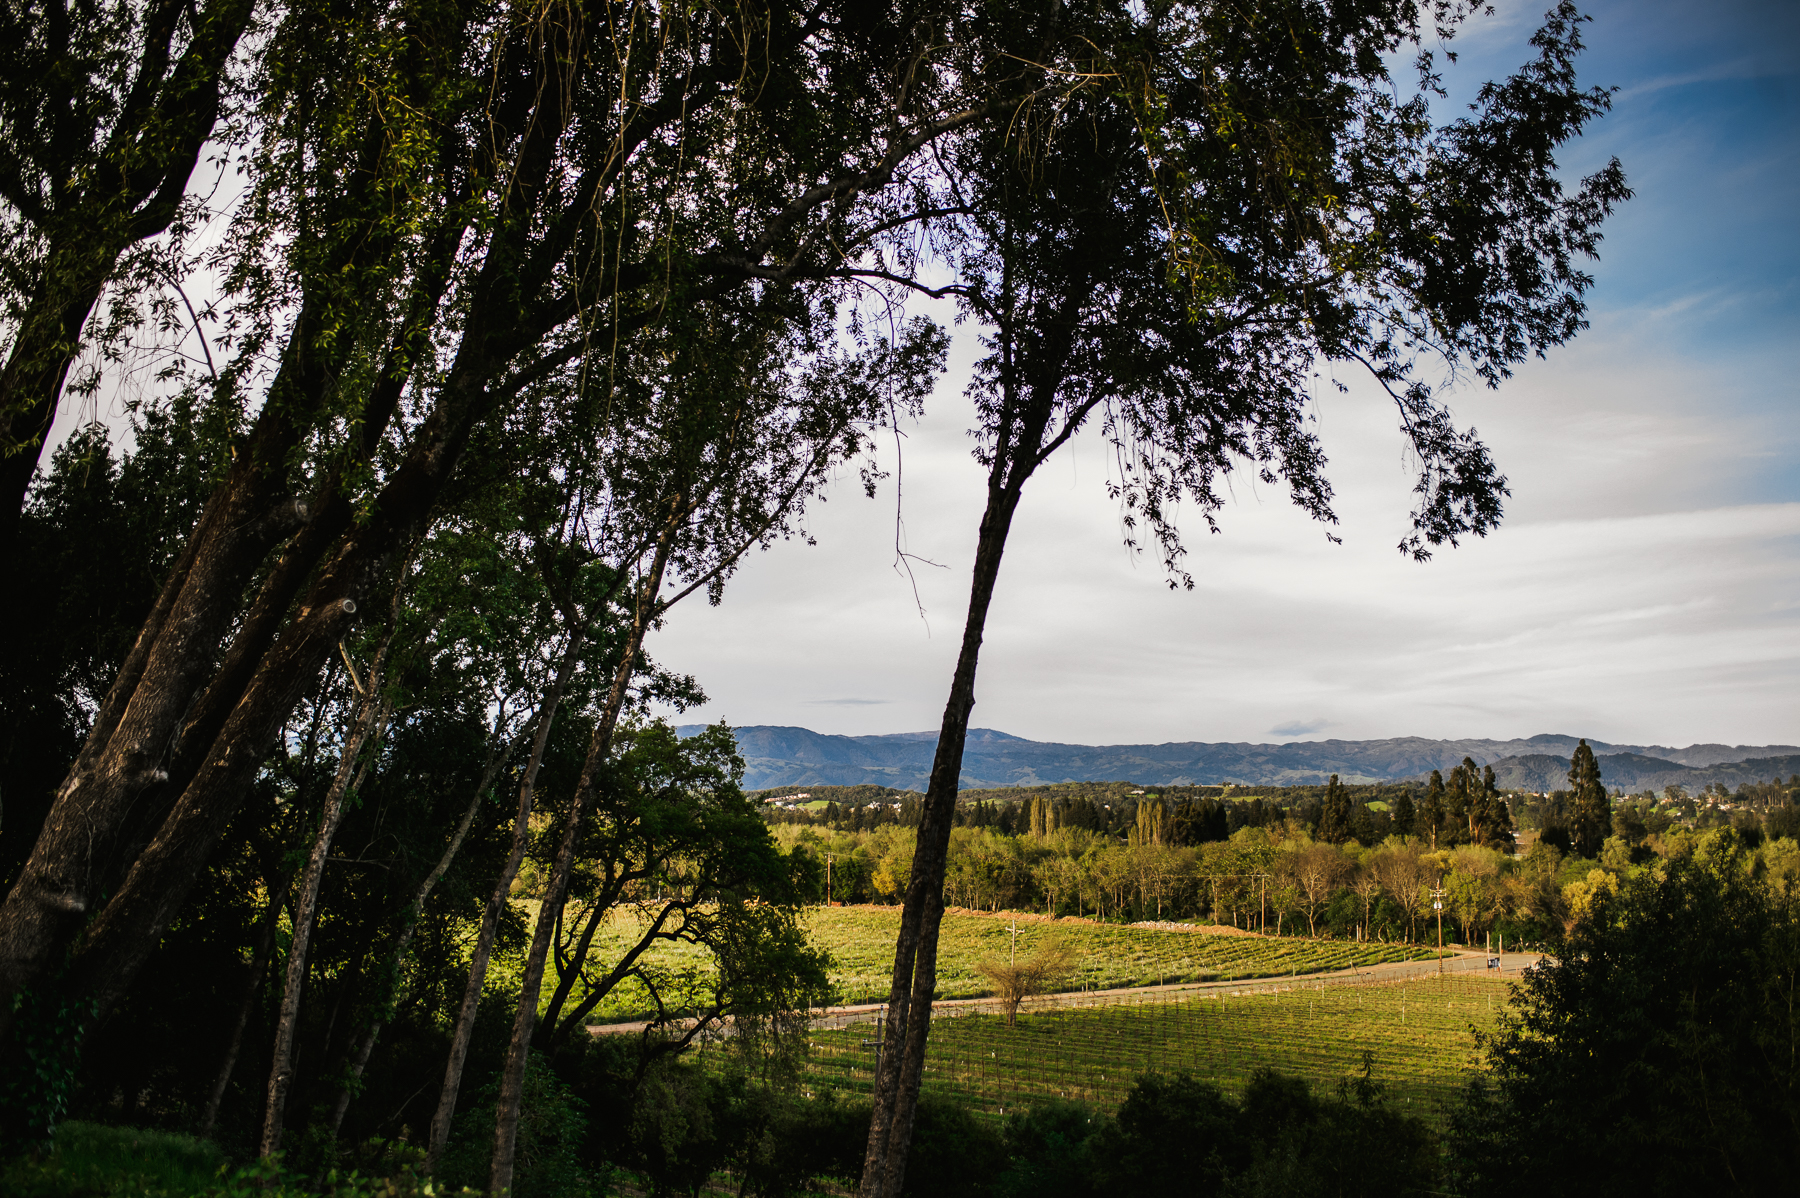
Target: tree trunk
(158, 881)
(901, 1067)
(305, 906)
(490, 918)
(175, 742)
(497, 759)
(259, 963)
(512, 1079)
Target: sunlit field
(1419, 1032)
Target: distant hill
(780, 756)
(1635, 772)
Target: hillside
(1634, 772)
(782, 756)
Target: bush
(1051, 1149)
(1657, 1054)
(552, 1128)
(955, 1152)
(1172, 1134)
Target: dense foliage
(1260, 862)
(1658, 1053)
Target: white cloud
(1635, 592)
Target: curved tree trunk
(498, 756)
(512, 1078)
(371, 712)
(901, 1067)
(490, 918)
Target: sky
(1644, 588)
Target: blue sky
(1646, 585)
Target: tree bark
(490, 918)
(512, 1080)
(915, 950)
(1019, 447)
(169, 702)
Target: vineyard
(1419, 1032)
(861, 943)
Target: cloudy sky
(1646, 584)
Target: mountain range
(781, 756)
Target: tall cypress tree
(1404, 815)
(1493, 827)
(1334, 816)
(1431, 811)
(1591, 815)
(1459, 803)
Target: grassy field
(861, 943)
(1419, 1032)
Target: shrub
(1657, 1054)
(552, 1127)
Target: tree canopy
(1656, 1054)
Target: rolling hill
(784, 756)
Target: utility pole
(1013, 953)
(1437, 903)
(828, 860)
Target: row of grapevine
(1418, 1030)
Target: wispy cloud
(1299, 727)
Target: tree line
(1256, 864)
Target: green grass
(861, 943)
(115, 1162)
(1419, 1032)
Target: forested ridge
(458, 342)
(799, 758)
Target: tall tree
(455, 211)
(1262, 161)
(1334, 814)
(1590, 811)
(1431, 809)
(1405, 816)
(735, 437)
(1461, 790)
(1493, 818)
